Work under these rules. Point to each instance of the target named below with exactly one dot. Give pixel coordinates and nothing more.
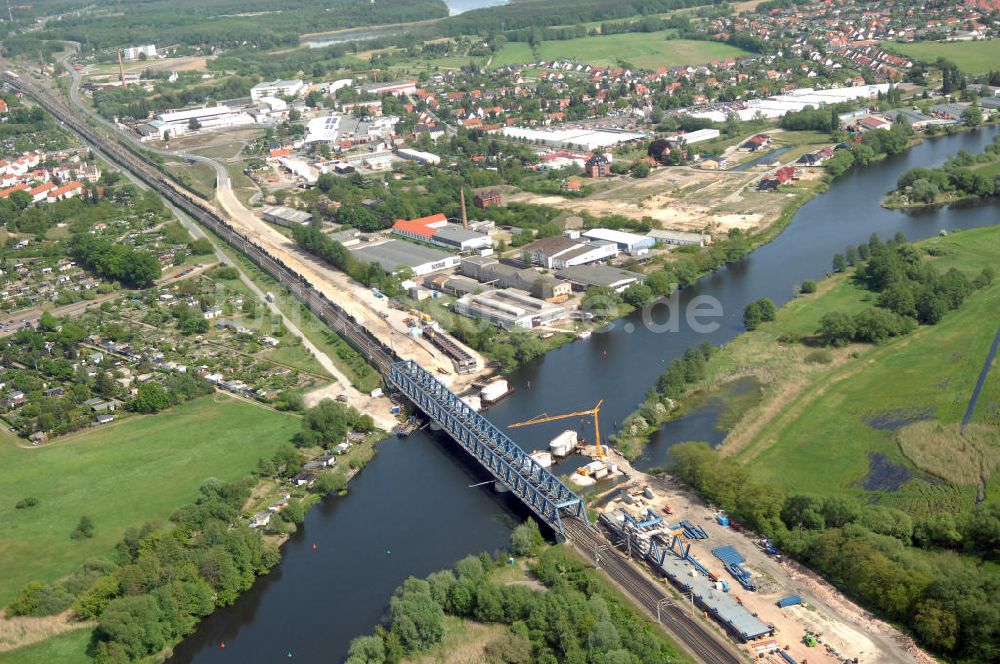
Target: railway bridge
(511, 466)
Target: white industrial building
(426, 158)
(778, 105)
(285, 216)
(135, 52)
(630, 243)
(509, 308)
(299, 168)
(558, 252)
(208, 117)
(323, 129)
(573, 139)
(290, 88)
(679, 238)
(698, 136)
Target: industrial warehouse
(509, 308)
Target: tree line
(264, 24)
(317, 243)
(577, 618)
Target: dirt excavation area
(826, 627)
(685, 198)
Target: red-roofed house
(41, 192)
(66, 191)
(10, 190)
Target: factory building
(509, 308)
(208, 117)
(394, 255)
(395, 88)
(285, 216)
(489, 270)
(435, 229)
(559, 251)
(630, 243)
(425, 158)
(679, 238)
(583, 277)
(457, 286)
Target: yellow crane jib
(594, 412)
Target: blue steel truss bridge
(540, 490)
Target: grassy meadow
(825, 412)
(121, 475)
(643, 50)
(972, 57)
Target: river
(374, 32)
(412, 510)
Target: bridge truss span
(511, 466)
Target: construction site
(779, 611)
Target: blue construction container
(722, 519)
(396, 410)
(791, 600)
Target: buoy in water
(314, 546)
(388, 552)
(222, 644)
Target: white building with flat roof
(209, 117)
(290, 88)
(135, 52)
(630, 243)
(573, 139)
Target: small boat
(547, 335)
(584, 335)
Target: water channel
(412, 510)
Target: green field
(642, 50)
(972, 57)
(829, 414)
(67, 648)
(122, 475)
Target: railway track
(693, 635)
(150, 173)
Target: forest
(265, 24)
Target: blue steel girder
(539, 489)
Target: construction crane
(594, 412)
